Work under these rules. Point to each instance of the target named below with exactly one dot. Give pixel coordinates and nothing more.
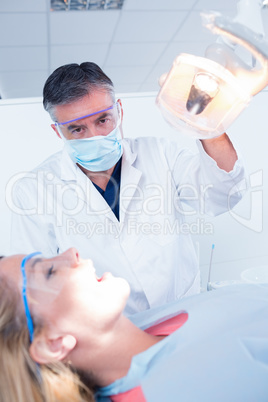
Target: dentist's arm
(222, 151)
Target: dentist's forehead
(98, 100)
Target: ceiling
(134, 45)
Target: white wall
(27, 140)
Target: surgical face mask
(100, 152)
(96, 154)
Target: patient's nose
(72, 256)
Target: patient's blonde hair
(21, 380)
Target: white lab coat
(56, 207)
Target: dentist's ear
(121, 109)
(56, 131)
(46, 349)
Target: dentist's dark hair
(72, 82)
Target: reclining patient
(62, 327)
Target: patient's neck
(109, 357)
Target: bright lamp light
(203, 96)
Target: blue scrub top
(112, 192)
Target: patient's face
(65, 291)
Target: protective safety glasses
(24, 295)
(42, 281)
(102, 122)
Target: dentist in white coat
(121, 202)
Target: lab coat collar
(68, 169)
(130, 177)
(129, 156)
(85, 189)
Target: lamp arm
(253, 79)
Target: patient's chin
(123, 286)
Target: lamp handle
(251, 78)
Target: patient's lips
(105, 276)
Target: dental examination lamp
(204, 95)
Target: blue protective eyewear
(87, 115)
(24, 295)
